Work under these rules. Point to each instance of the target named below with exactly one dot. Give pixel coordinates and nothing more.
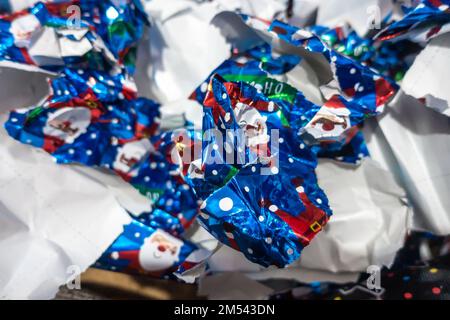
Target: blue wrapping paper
(423, 22)
(94, 117)
(266, 202)
(297, 110)
(262, 200)
(363, 91)
(145, 250)
(103, 37)
(391, 59)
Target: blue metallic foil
(297, 110)
(112, 37)
(269, 205)
(94, 117)
(427, 20)
(145, 250)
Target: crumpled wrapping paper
(55, 222)
(426, 81)
(410, 141)
(304, 78)
(71, 214)
(172, 73)
(413, 142)
(370, 222)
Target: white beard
(153, 259)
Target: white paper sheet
(370, 221)
(51, 218)
(429, 76)
(55, 220)
(184, 47)
(413, 142)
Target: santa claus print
(195, 170)
(253, 123)
(130, 155)
(67, 124)
(23, 29)
(331, 121)
(159, 252)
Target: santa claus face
(195, 170)
(131, 155)
(23, 29)
(253, 124)
(159, 252)
(329, 122)
(68, 124)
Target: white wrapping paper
(184, 47)
(428, 77)
(413, 142)
(55, 221)
(370, 221)
(186, 44)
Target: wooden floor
(99, 285)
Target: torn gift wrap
(426, 80)
(94, 119)
(371, 218)
(256, 204)
(413, 143)
(88, 108)
(87, 34)
(261, 69)
(343, 76)
(143, 250)
(357, 83)
(391, 59)
(352, 91)
(124, 197)
(421, 23)
(173, 72)
(67, 222)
